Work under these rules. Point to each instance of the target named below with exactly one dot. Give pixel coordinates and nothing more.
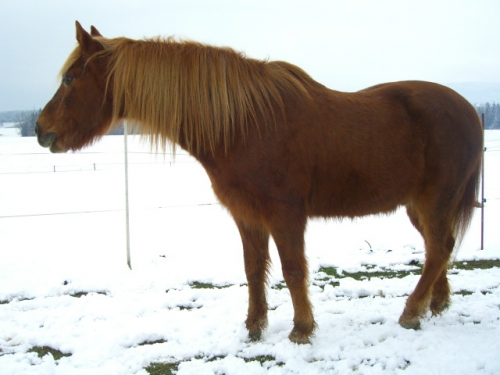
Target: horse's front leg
(256, 254)
(289, 237)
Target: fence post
(127, 225)
(482, 189)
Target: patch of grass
(332, 274)
(385, 273)
(279, 286)
(81, 294)
(463, 292)
(477, 264)
(323, 281)
(200, 285)
(331, 271)
(163, 368)
(42, 351)
(262, 359)
(382, 273)
(160, 341)
(7, 301)
(211, 358)
(159, 368)
(186, 307)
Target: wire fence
(180, 158)
(109, 210)
(70, 167)
(89, 166)
(114, 161)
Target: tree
(26, 122)
(496, 117)
(491, 113)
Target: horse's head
(81, 109)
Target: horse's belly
(354, 208)
(357, 195)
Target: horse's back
(436, 107)
(373, 150)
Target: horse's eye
(67, 79)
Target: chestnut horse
(280, 148)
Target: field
(69, 304)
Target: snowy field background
(64, 282)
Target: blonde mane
(186, 91)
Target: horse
(280, 148)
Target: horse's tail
(467, 204)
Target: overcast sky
(346, 45)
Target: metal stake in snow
(483, 201)
(127, 225)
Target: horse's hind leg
(256, 255)
(433, 284)
(440, 299)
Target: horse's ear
(88, 45)
(94, 31)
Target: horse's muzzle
(45, 139)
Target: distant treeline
(491, 114)
(26, 120)
(9, 116)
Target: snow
(63, 233)
(9, 129)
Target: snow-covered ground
(9, 129)
(63, 233)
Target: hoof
(255, 328)
(409, 322)
(301, 336)
(254, 336)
